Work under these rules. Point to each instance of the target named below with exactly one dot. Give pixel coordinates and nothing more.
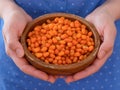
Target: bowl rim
(60, 67)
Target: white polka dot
(93, 88)
(30, 82)
(105, 67)
(92, 3)
(118, 83)
(40, 4)
(115, 78)
(117, 58)
(35, 89)
(35, 11)
(73, 4)
(29, 3)
(21, 81)
(8, 72)
(8, 85)
(50, 4)
(86, 11)
(16, 86)
(87, 81)
(61, 8)
(118, 71)
(26, 89)
(73, 89)
(49, 84)
(96, 80)
(25, 76)
(39, 84)
(109, 59)
(83, 88)
(45, 11)
(106, 80)
(110, 73)
(83, 4)
(101, 73)
(11, 68)
(102, 87)
(111, 85)
(78, 83)
(11, 80)
(16, 74)
(59, 84)
(114, 65)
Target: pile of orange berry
(60, 41)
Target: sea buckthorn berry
(50, 60)
(60, 41)
(90, 34)
(37, 49)
(77, 54)
(61, 53)
(77, 23)
(44, 49)
(37, 28)
(39, 55)
(48, 21)
(72, 24)
(63, 36)
(83, 37)
(91, 48)
(45, 54)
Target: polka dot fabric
(79, 7)
(107, 78)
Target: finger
(27, 68)
(51, 79)
(61, 76)
(69, 79)
(108, 41)
(91, 69)
(11, 42)
(56, 76)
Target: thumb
(108, 41)
(12, 43)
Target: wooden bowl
(59, 69)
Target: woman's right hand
(14, 24)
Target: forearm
(6, 7)
(113, 8)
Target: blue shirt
(107, 78)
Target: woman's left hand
(104, 23)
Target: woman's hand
(14, 24)
(104, 23)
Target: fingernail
(101, 54)
(52, 81)
(19, 53)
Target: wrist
(112, 8)
(11, 7)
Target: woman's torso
(13, 79)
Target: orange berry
(39, 55)
(91, 48)
(44, 49)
